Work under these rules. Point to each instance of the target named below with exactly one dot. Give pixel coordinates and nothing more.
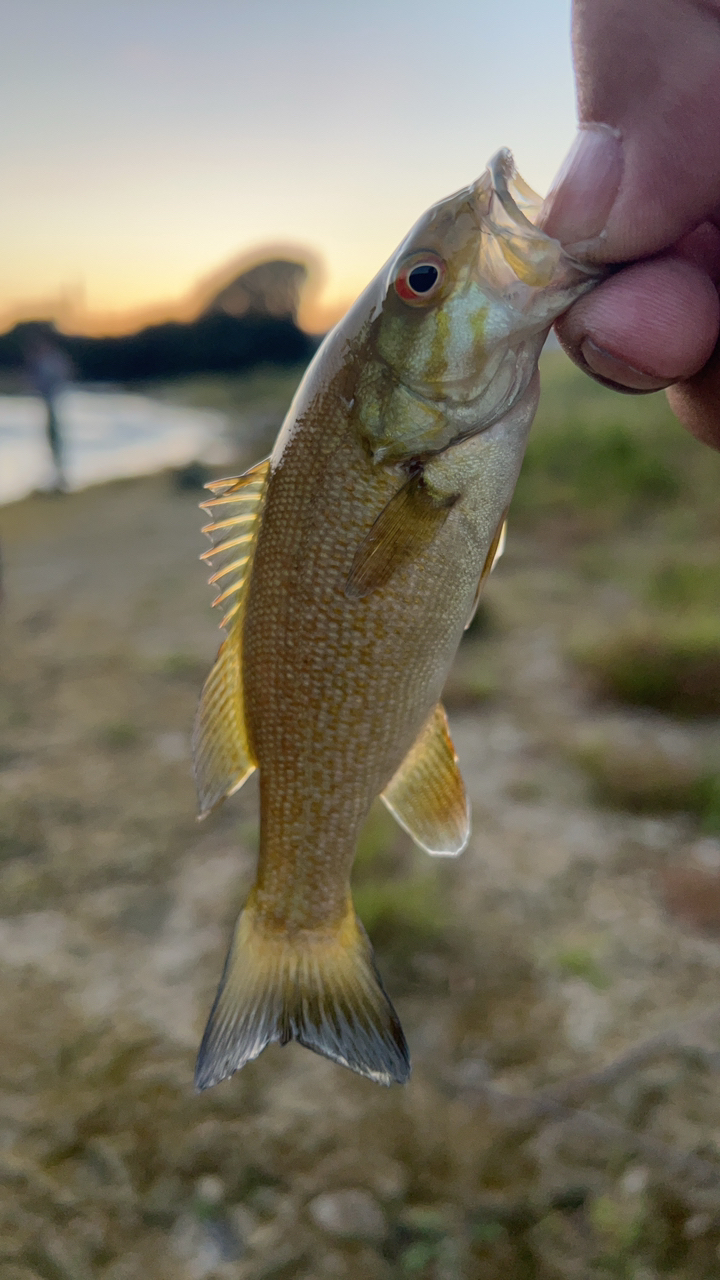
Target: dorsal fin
(233, 533)
(222, 759)
(427, 794)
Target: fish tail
(320, 988)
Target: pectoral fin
(222, 759)
(496, 549)
(404, 527)
(427, 795)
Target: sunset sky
(147, 142)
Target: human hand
(643, 182)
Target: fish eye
(419, 278)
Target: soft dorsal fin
(496, 549)
(222, 759)
(427, 794)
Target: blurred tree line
(251, 321)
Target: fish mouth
(502, 180)
(514, 249)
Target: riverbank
(570, 930)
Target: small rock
(707, 853)
(204, 1245)
(693, 897)
(243, 1220)
(587, 1017)
(698, 1225)
(348, 1215)
(210, 1189)
(635, 1180)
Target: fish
(348, 564)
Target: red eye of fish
(419, 279)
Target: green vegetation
(580, 962)
(603, 460)
(398, 892)
(685, 585)
(673, 666)
(619, 1221)
(605, 467)
(264, 387)
(472, 680)
(641, 777)
(119, 734)
(401, 915)
(185, 667)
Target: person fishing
(49, 371)
(641, 187)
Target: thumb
(645, 167)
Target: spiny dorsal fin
(320, 988)
(496, 549)
(222, 759)
(427, 795)
(233, 532)
(406, 525)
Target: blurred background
(192, 195)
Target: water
(106, 435)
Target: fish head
(459, 315)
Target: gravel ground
(558, 983)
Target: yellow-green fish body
(351, 561)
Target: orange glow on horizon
(68, 311)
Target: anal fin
(427, 794)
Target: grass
(642, 777)
(120, 734)
(685, 585)
(635, 498)
(672, 666)
(606, 467)
(579, 962)
(398, 892)
(605, 460)
(266, 387)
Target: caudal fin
(319, 988)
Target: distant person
(49, 371)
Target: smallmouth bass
(350, 562)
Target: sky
(145, 143)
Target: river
(106, 435)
